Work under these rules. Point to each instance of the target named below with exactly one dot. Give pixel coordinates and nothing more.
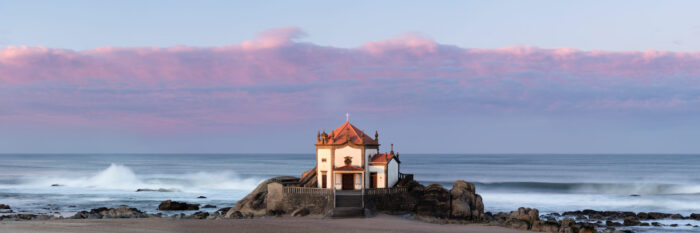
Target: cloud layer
(276, 79)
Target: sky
(431, 77)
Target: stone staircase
(348, 204)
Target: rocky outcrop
(4, 207)
(466, 204)
(254, 203)
(174, 205)
(435, 202)
(308, 179)
(103, 212)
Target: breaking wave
(121, 177)
(594, 188)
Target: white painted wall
(368, 154)
(393, 172)
(341, 153)
(323, 166)
(338, 181)
(379, 169)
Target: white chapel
(349, 159)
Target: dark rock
(634, 195)
(676, 216)
(695, 216)
(656, 224)
(657, 215)
(644, 224)
(207, 206)
(643, 216)
(157, 190)
(200, 215)
(631, 221)
(689, 225)
(4, 207)
(435, 202)
(201, 197)
(174, 205)
(613, 224)
(674, 225)
(103, 212)
(56, 185)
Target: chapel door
(373, 180)
(324, 181)
(348, 181)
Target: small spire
(376, 136)
(347, 117)
(392, 148)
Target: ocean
(548, 182)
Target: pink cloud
(274, 78)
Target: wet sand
(380, 223)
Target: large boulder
(466, 204)
(435, 202)
(254, 204)
(174, 205)
(523, 215)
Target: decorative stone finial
(347, 117)
(376, 136)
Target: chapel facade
(349, 159)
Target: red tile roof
(349, 168)
(344, 133)
(382, 158)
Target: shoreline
(379, 223)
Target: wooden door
(324, 181)
(348, 181)
(373, 180)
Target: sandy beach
(380, 223)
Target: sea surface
(550, 182)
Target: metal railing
(307, 190)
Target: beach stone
(200, 215)
(631, 221)
(174, 205)
(301, 212)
